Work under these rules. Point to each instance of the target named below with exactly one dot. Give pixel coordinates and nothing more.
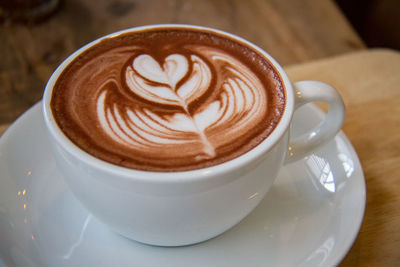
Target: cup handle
(311, 91)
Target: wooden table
(305, 36)
(292, 31)
(369, 84)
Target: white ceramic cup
(181, 208)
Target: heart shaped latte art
(173, 70)
(179, 81)
(147, 79)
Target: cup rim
(173, 176)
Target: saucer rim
(345, 247)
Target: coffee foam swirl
(189, 106)
(147, 79)
(239, 103)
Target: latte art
(185, 104)
(239, 104)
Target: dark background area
(376, 21)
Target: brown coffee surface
(168, 99)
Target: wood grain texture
(3, 128)
(292, 31)
(369, 83)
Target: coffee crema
(168, 99)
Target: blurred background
(376, 21)
(36, 35)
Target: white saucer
(310, 217)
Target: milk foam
(146, 72)
(239, 103)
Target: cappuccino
(168, 99)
